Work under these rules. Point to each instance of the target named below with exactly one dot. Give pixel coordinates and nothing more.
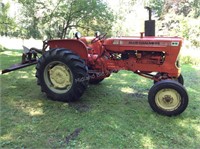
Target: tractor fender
(76, 46)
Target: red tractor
(63, 71)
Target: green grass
(113, 114)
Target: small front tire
(179, 79)
(168, 97)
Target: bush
(2, 48)
(179, 25)
(189, 54)
(189, 60)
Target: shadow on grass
(113, 114)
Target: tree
(126, 17)
(157, 6)
(178, 18)
(185, 7)
(55, 18)
(6, 23)
(29, 18)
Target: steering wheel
(45, 41)
(45, 45)
(97, 38)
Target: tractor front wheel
(179, 79)
(62, 75)
(168, 97)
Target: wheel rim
(168, 99)
(58, 77)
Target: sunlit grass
(147, 142)
(127, 90)
(12, 53)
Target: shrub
(189, 54)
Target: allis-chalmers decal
(121, 42)
(144, 42)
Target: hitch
(29, 57)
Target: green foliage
(185, 28)
(100, 19)
(194, 31)
(189, 55)
(186, 60)
(196, 10)
(180, 18)
(61, 18)
(2, 48)
(7, 23)
(30, 19)
(56, 18)
(157, 6)
(185, 7)
(124, 24)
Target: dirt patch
(80, 107)
(73, 135)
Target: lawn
(113, 114)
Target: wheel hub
(60, 76)
(168, 99)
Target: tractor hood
(135, 43)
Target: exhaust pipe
(149, 26)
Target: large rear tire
(168, 97)
(62, 75)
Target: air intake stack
(149, 25)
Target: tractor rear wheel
(168, 97)
(62, 75)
